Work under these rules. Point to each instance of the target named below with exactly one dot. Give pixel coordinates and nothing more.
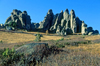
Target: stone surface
(32, 51)
(2, 25)
(84, 28)
(90, 33)
(90, 29)
(96, 32)
(58, 30)
(46, 23)
(22, 19)
(9, 28)
(34, 26)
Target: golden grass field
(75, 54)
(8, 37)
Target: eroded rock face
(22, 19)
(46, 23)
(84, 29)
(88, 30)
(64, 23)
(34, 26)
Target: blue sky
(87, 10)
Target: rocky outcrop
(22, 19)
(67, 22)
(46, 23)
(34, 26)
(88, 30)
(84, 29)
(2, 25)
(33, 52)
(64, 23)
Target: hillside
(77, 49)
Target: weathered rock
(69, 31)
(73, 21)
(9, 28)
(58, 30)
(90, 33)
(54, 19)
(63, 32)
(46, 23)
(34, 26)
(65, 18)
(84, 29)
(79, 24)
(2, 25)
(58, 20)
(19, 25)
(32, 51)
(21, 18)
(96, 32)
(74, 26)
(90, 29)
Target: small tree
(38, 37)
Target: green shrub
(12, 24)
(1, 41)
(60, 45)
(9, 56)
(38, 37)
(60, 39)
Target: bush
(9, 56)
(12, 24)
(60, 45)
(38, 37)
(1, 41)
(60, 39)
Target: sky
(87, 10)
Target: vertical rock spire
(72, 20)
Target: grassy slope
(75, 55)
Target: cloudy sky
(87, 10)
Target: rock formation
(34, 26)
(46, 23)
(21, 18)
(64, 23)
(84, 28)
(2, 25)
(61, 23)
(32, 51)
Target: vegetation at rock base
(9, 56)
(1, 41)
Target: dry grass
(94, 37)
(82, 55)
(8, 37)
(91, 48)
